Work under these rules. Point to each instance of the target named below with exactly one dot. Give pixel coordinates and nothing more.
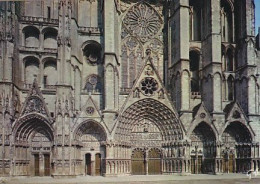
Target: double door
(88, 165)
(46, 165)
(196, 165)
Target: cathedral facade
(128, 87)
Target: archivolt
(30, 124)
(152, 110)
(90, 127)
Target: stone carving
(161, 94)
(236, 115)
(148, 86)
(34, 104)
(149, 71)
(142, 21)
(202, 115)
(90, 135)
(93, 83)
(136, 93)
(90, 110)
(146, 134)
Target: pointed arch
(30, 123)
(239, 131)
(230, 94)
(89, 128)
(199, 122)
(154, 111)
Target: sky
(257, 15)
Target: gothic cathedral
(128, 87)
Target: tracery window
(141, 30)
(195, 19)
(228, 59)
(148, 86)
(93, 84)
(194, 68)
(227, 16)
(230, 88)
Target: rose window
(90, 110)
(148, 86)
(143, 21)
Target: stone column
(93, 166)
(146, 162)
(41, 164)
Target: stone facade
(121, 87)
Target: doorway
(47, 165)
(154, 163)
(138, 162)
(88, 164)
(98, 164)
(228, 163)
(36, 165)
(196, 165)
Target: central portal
(146, 157)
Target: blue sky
(257, 15)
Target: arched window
(131, 59)
(229, 60)
(31, 69)
(50, 72)
(31, 36)
(230, 88)
(194, 68)
(226, 21)
(92, 52)
(195, 19)
(93, 83)
(50, 38)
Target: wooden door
(199, 164)
(47, 165)
(193, 168)
(36, 165)
(231, 163)
(225, 163)
(98, 164)
(88, 164)
(154, 163)
(138, 167)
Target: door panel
(154, 163)
(36, 165)
(193, 169)
(138, 163)
(154, 166)
(88, 164)
(98, 164)
(47, 165)
(231, 163)
(199, 164)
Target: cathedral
(128, 87)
